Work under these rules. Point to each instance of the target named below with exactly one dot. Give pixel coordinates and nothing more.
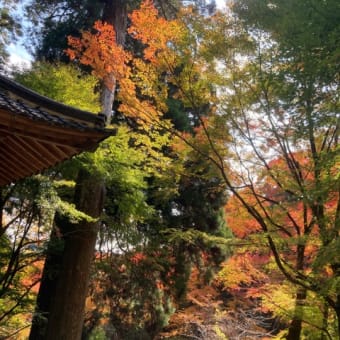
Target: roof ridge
(44, 102)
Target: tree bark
(295, 327)
(48, 285)
(337, 310)
(67, 307)
(115, 13)
(62, 294)
(61, 299)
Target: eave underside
(29, 146)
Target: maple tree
(101, 163)
(100, 49)
(264, 113)
(251, 273)
(280, 126)
(142, 96)
(254, 87)
(25, 219)
(259, 100)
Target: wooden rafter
(37, 133)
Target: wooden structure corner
(37, 133)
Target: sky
(19, 57)
(220, 3)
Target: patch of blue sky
(19, 55)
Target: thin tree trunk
(325, 314)
(115, 13)
(295, 327)
(337, 311)
(48, 285)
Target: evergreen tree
(211, 224)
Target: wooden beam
(18, 163)
(44, 152)
(4, 179)
(12, 167)
(23, 154)
(13, 121)
(57, 138)
(31, 146)
(61, 154)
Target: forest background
(221, 216)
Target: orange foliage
(300, 160)
(111, 63)
(243, 271)
(238, 219)
(100, 51)
(284, 197)
(153, 31)
(280, 197)
(137, 258)
(32, 277)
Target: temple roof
(37, 132)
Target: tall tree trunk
(2, 204)
(115, 13)
(67, 307)
(61, 299)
